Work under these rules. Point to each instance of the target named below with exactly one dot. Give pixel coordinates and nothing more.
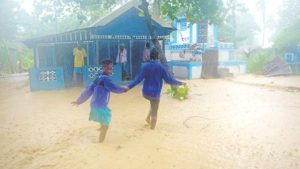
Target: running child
(100, 88)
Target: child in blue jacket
(153, 73)
(100, 88)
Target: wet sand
(223, 125)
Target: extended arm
(137, 79)
(168, 78)
(86, 94)
(108, 84)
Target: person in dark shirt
(153, 73)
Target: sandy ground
(292, 82)
(223, 125)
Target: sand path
(223, 125)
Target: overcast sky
(272, 8)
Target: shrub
(256, 61)
(179, 93)
(27, 61)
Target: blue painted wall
(46, 78)
(91, 72)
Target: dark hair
(147, 45)
(78, 45)
(154, 54)
(106, 62)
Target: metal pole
(97, 52)
(54, 60)
(108, 48)
(88, 54)
(130, 46)
(36, 56)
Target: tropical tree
(288, 31)
(261, 5)
(54, 16)
(8, 20)
(288, 37)
(8, 32)
(194, 11)
(85, 10)
(237, 21)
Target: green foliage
(288, 37)
(238, 21)
(85, 10)
(289, 13)
(194, 11)
(257, 60)
(179, 93)
(55, 16)
(27, 61)
(15, 57)
(8, 20)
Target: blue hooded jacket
(153, 73)
(100, 88)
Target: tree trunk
(156, 8)
(210, 58)
(144, 6)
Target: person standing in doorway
(122, 59)
(146, 52)
(79, 54)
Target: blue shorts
(78, 70)
(101, 115)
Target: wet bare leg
(148, 118)
(153, 122)
(102, 135)
(153, 113)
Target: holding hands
(125, 88)
(74, 103)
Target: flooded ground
(223, 125)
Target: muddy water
(222, 125)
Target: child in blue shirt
(153, 73)
(100, 88)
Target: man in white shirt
(122, 59)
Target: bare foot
(101, 138)
(102, 133)
(148, 121)
(153, 123)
